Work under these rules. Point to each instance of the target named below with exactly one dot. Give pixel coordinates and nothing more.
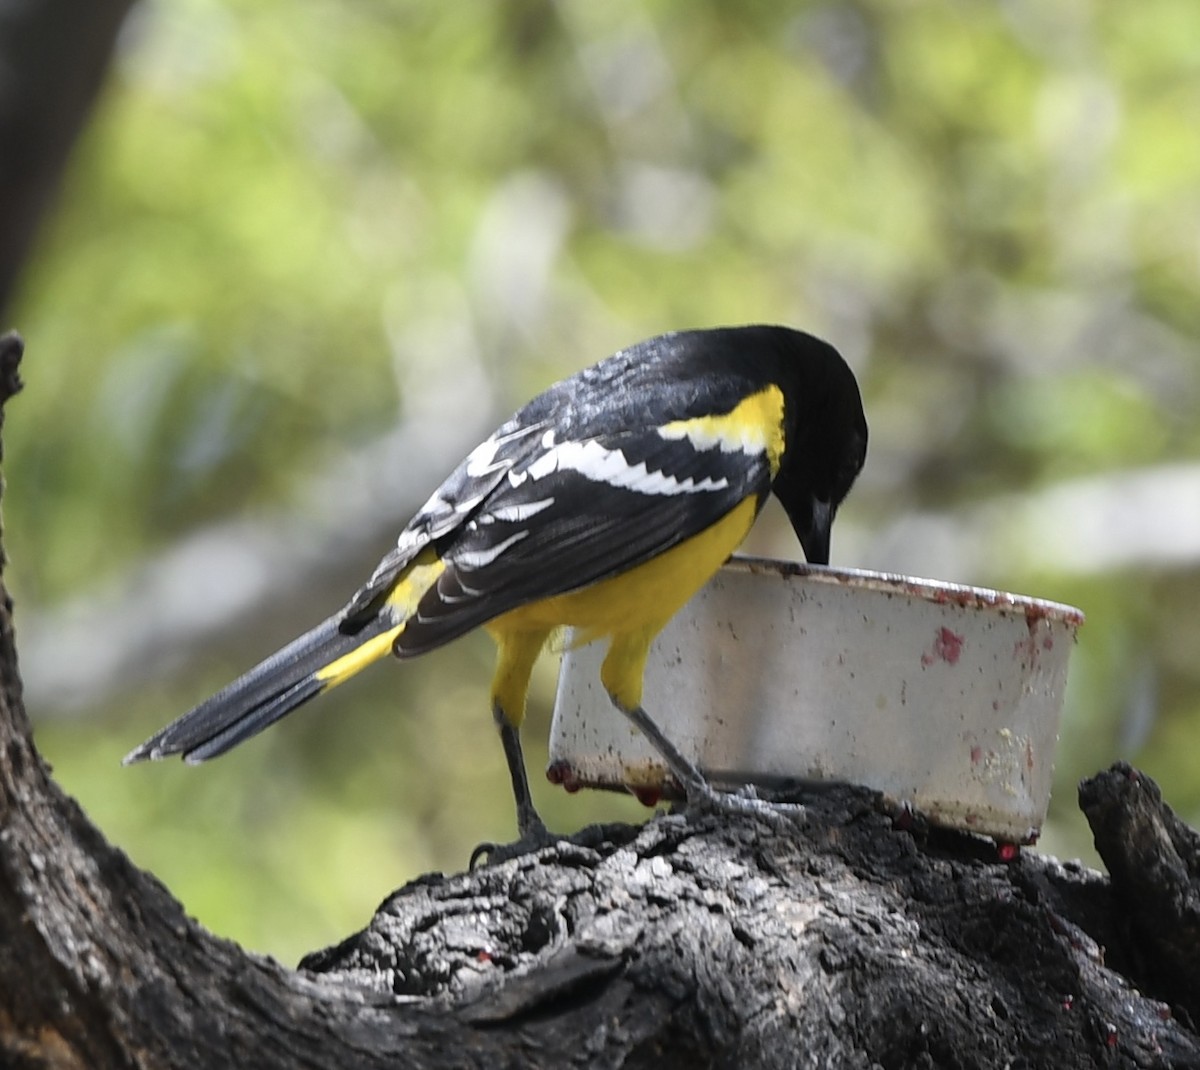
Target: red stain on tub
(1028, 651)
(947, 647)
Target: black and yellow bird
(604, 504)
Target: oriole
(604, 504)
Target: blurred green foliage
(284, 215)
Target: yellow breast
(646, 596)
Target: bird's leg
(694, 783)
(529, 823)
(700, 794)
(516, 654)
(621, 674)
(531, 829)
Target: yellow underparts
(422, 574)
(630, 609)
(755, 425)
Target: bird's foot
(533, 835)
(702, 797)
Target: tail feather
(318, 660)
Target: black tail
(317, 661)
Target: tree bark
(855, 940)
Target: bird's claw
(532, 838)
(745, 801)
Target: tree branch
(853, 940)
(1154, 859)
(54, 54)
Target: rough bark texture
(1154, 860)
(854, 941)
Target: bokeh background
(304, 255)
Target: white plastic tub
(943, 697)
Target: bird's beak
(816, 539)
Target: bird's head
(826, 440)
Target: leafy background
(307, 254)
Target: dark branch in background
(53, 57)
(704, 942)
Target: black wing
(533, 511)
(576, 513)
(448, 508)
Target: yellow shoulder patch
(418, 577)
(755, 425)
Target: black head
(826, 442)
